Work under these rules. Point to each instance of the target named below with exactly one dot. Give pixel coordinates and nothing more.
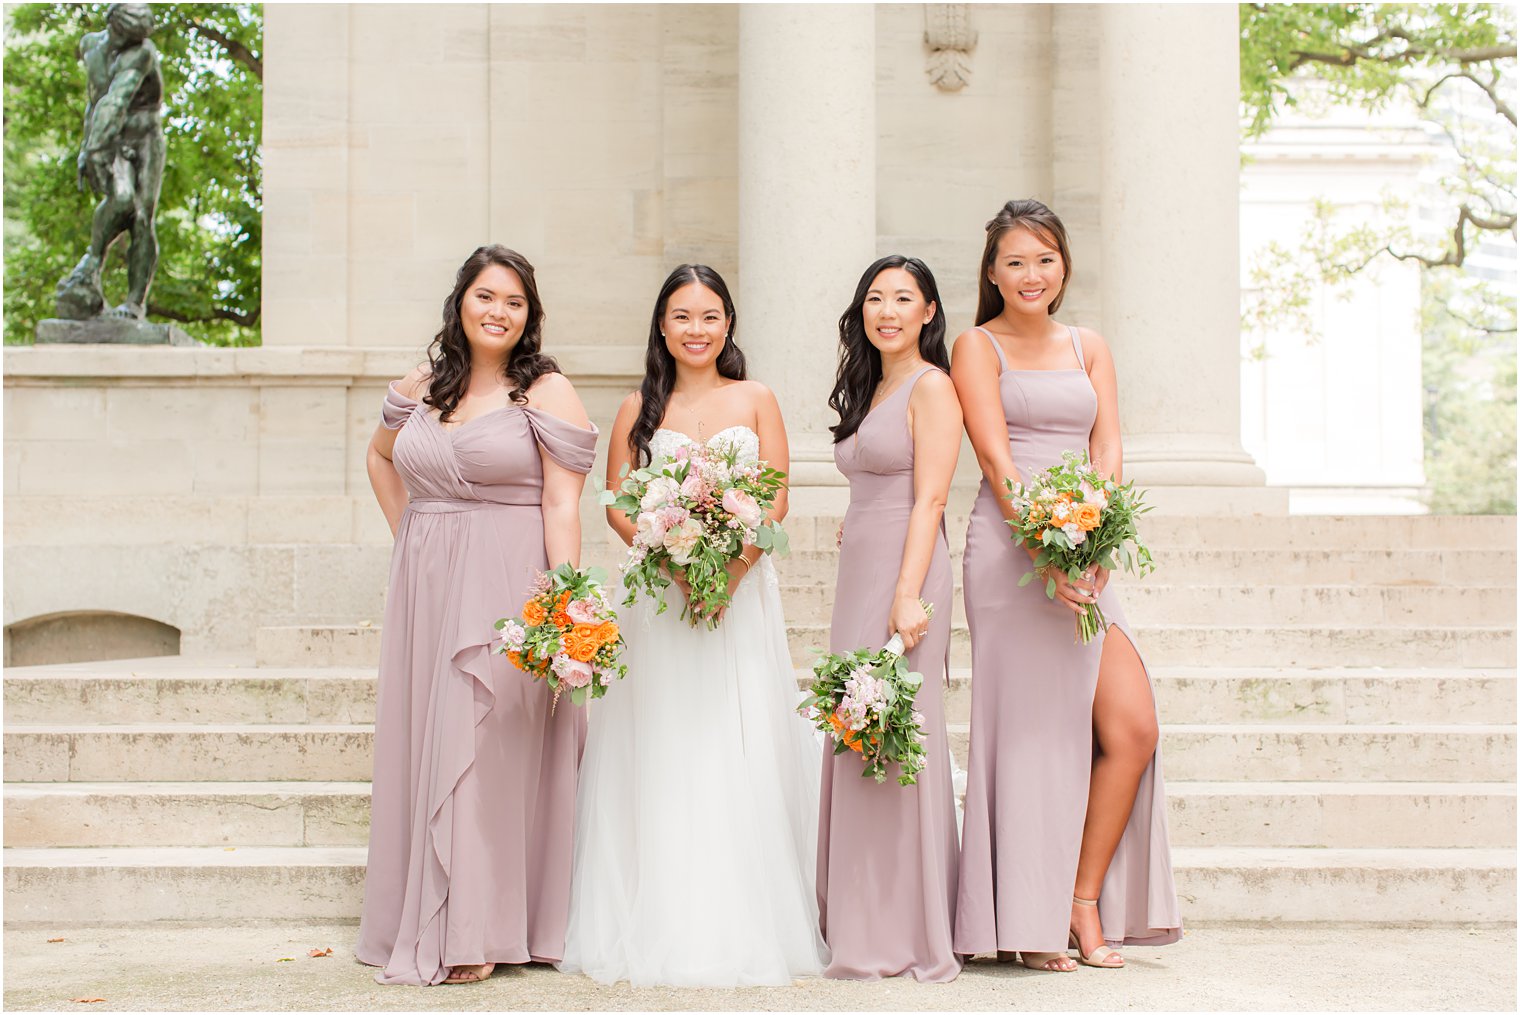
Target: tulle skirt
(697, 813)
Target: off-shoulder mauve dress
(473, 808)
(1032, 688)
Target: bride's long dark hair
(660, 365)
(860, 362)
(449, 353)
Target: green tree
(211, 207)
(1454, 64)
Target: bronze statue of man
(121, 159)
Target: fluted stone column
(807, 211)
(1169, 85)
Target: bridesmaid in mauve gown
(478, 464)
(1064, 799)
(887, 853)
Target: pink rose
(743, 507)
(513, 635)
(576, 674)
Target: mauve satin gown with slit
(887, 854)
(473, 804)
(1031, 721)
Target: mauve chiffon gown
(887, 853)
(475, 779)
(1031, 721)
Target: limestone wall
(220, 490)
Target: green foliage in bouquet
(1077, 519)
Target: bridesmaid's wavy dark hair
(660, 365)
(860, 362)
(1026, 214)
(449, 353)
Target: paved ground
(232, 968)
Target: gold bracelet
(747, 564)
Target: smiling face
(694, 325)
(894, 312)
(493, 313)
(1027, 271)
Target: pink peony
(743, 507)
(576, 674)
(692, 487)
(582, 612)
(662, 490)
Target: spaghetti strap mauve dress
(1032, 689)
(472, 818)
(887, 854)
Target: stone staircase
(1337, 696)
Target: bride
(696, 819)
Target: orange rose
(515, 659)
(1087, 516)
(580, 643)
(607, 632)
(562, 619)
(534, 613)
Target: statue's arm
(109, 115)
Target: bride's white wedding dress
(696, 819)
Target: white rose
(682, 540)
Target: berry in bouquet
(693, 515)
(566, 635)
(865, 701)
(1078, 519)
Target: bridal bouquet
(567, 634)
(1078, 519)
(864, 700)
(693, 515)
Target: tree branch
(217, 314)
(239, 52)
(1457, 254)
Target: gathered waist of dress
(450, 505)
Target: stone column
(1169, 81)
(807, 211)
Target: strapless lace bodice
(663, 445)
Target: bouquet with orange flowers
(567, 634)
(865, 701)
(1078, 519)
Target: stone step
(149, 691)
(1162, 645)
(1294, 532)
(1224, 753)
(187, 814)
(1341, 814)
(1147, 602)
(1453, 568)
(1229, 753)
(1187, 645)
(1319, 814)
(188, 752)
(1412, 887)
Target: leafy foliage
(210, 209)
(1469, 381)
(1454, 65)
(1369, 53)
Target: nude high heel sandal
(1101, 957)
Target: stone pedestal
(110, 331)
(807, 212)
